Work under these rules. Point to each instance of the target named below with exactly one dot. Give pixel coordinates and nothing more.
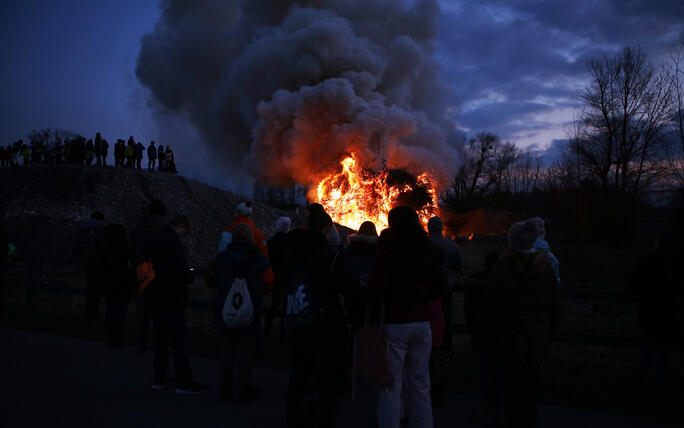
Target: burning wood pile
(354, 195)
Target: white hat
(245, 209)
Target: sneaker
(163, 383)
(193, 388)
(248, 395)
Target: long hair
(405, 227)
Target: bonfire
(353, 194)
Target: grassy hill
(42, 206)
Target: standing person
(353, 269)
(170, 160)
(26, 154)
(151, 156)
(168, 293)
(129, 153)
(452, 264)
(656, 285)
(276, 255)
(240, 260)
(317, 330)
(98, 149)
(139, 150)
(142, 240)
(520, 310)
(105, 150)
(89, 152)
(160, 156)
(118, 282)
(407, 274)
(243, 214)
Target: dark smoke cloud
(294, 86)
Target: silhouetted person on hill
(277, 246)
(168, 294)
(139, 150)
(105, 152)
(118, 282)
(129, 153)
(98, 149)
(160, 157)
(170, 160)
(656, 284)
(89, 153)
(151, 156)
(142, 242)
(119, 153)
(240, 260)
(520, 312)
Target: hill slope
(42, 207)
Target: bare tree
(624, 124)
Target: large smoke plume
(290, 87)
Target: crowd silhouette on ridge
(79, 151)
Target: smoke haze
(286, 89)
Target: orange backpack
(144, 274)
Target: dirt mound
(42, 207)
(481, 222)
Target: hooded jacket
(168, 292)
(520, 307)
(259, 240)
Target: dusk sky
(511, 67)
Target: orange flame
(355, 195)
(470, 237)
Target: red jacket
(260, 242)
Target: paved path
(52, 381)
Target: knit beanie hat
(435, 225)
(521, 235)
(243, 233)
(245, 209)
(283, 224)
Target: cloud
(508, 62)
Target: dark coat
(656, 284)
(520, 307)
(309, 252)
(113, 254)
(139, 150)
(406, 275)
(142, 238)
(151, 152)
(239, 260)
(168, 292)
(353, 270)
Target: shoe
(193, 388)
(163, 383)
(248, 395)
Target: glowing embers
(354, 195)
